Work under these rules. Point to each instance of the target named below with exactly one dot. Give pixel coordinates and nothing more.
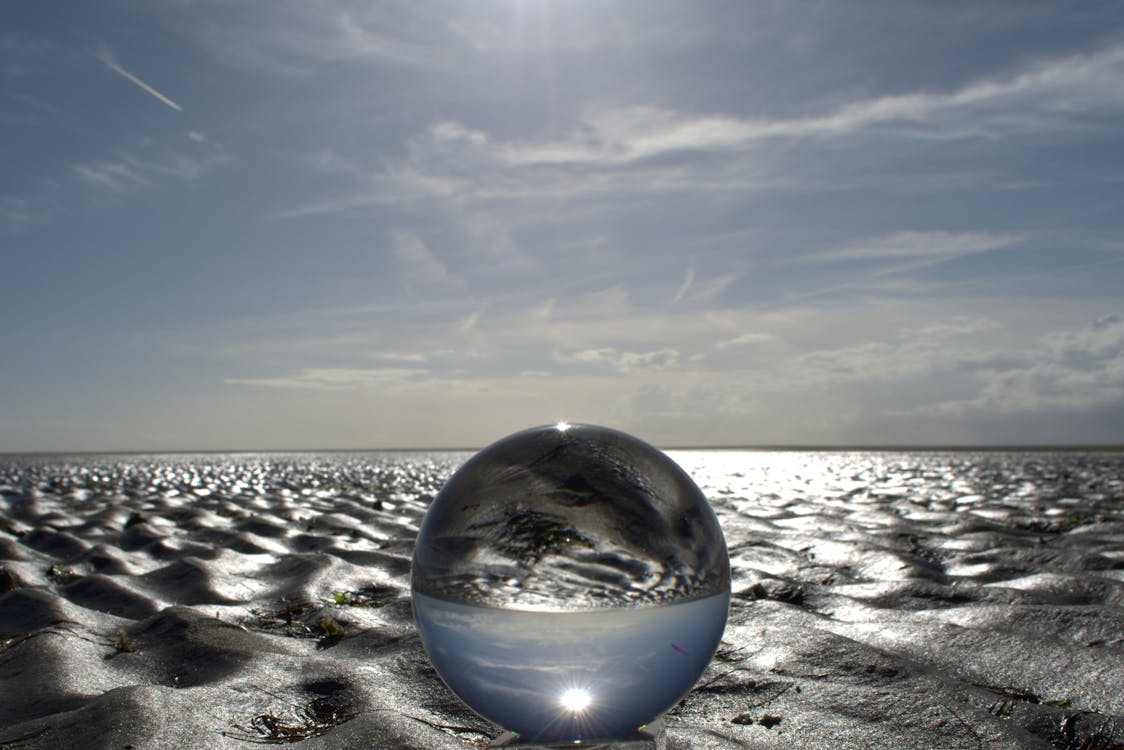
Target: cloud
(626, 363)
(970, 369)
(744, 340)
(912, 353)
(615, 152)
(417, 263)
(418, 357)
(691, 405)
(448, 131)
(334, 378)
(16, 212)
(109, 60)
(1081, 369)
(297, 39)
(141, 168)
(1108, 321)
(1048, 95)
(468, 324)
(543, 311)
(36, 103)
(688, 279)
(12, 42)
(24, 55)
(920, 245)
(116, 176)
(707, 291)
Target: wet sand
(881, 600)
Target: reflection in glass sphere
(570, 583)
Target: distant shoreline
(826, 448)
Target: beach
(881, 599)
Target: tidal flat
(881, 599)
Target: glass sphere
(570, 583)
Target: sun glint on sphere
(570, 582)
(575, 699)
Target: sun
(575, 700)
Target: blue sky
(358, 225)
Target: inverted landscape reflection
(569, 675)
(570, 518)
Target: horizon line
(762, 448)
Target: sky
(271, 224)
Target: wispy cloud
(745, 339)
(23, 55)
(116, 176)
(688, 279)
(1065, 370)
(334, 378)
(416, 357)
(1046, 95)
(616, 153)
(623, 362)
(916, 245)
(16, 212)
(109, 59)
(36, 103)
(418, 265)
(913, 352)
(141, 168)
(296, 39)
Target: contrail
(109, 60)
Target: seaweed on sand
(62, 574)
(1101, 738)
(125, 645)
(312, 719)
(1063, 728)
(8, 581)
(289, 620)
(373, 596)
(17, 742)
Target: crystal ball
(570, 583)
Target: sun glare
(575, 700)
